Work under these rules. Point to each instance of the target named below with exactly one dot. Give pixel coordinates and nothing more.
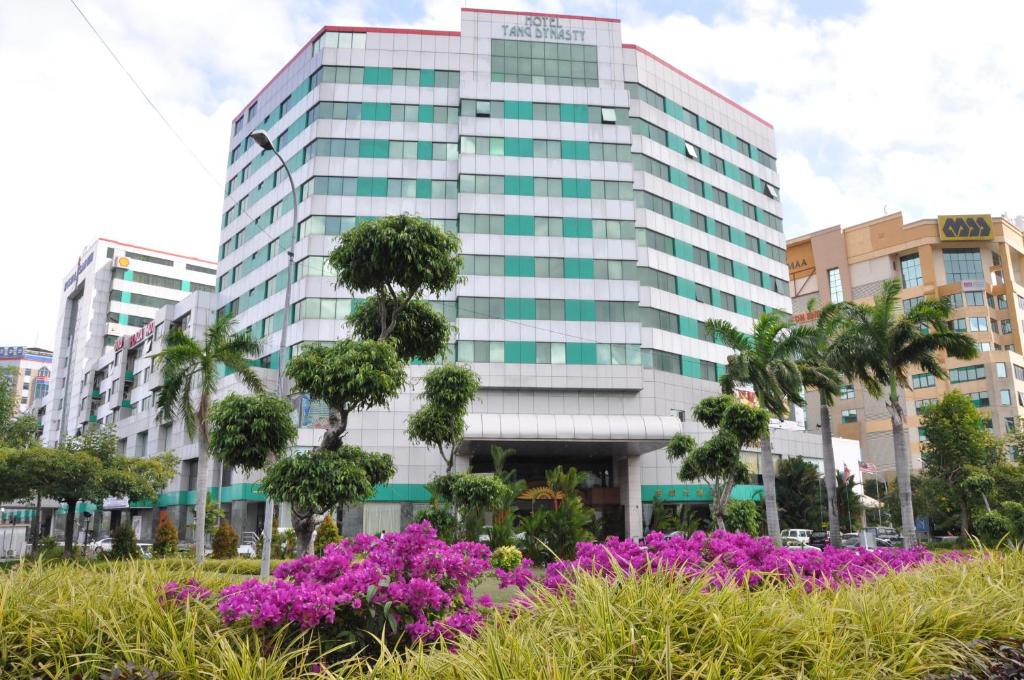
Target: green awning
(696, 493)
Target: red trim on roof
(697, 82)
(540, 14)
(154, 250)
(335, 29)
(378, 29)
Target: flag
(869, 468)
(846, 473)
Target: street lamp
(263, 140)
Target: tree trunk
(828, 458)
(304, 525)
(337, 424)
(771, 505)
(36, 523)
(899, 441)
(719, 503)
(202, 482)
(69, 529)
(984, 498)
(965, 520)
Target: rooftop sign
(965, 227)
(543, 28)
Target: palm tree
(190, 373)
(882, 345)
(768, 361)
(822, 368)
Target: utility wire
(153, 105)
(143, 92)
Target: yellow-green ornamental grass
(56, 621)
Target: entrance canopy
(629, 435)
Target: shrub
(1013, 511)
(442, 520)
(225, 542)
(326, 533)
(992, 527)
(165, 541)
(743, 516)
(507, 557)
(124, 546)
(401, 587)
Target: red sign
(136, 337)
(804, 317)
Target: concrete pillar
(627, 472)
(238, 515)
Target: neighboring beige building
(976, 261)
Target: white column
(629, 490)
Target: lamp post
(263, 140)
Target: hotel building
(608, 205)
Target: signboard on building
(543, 28)
(801, 260)
(12, 352)
(82, 264)
(135, 338)
(804, 317)
(972, 285)
(965, 227)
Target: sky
(878, 106)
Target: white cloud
(910, 105)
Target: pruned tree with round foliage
(225, 542)
(249, 430)
(717, 460)
(315, 482)
(397, 259)
(350, 375)
(448, 391)
(421, 332)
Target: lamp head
(261, 138)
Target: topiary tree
(448, 390)
(718, 459)
(225, 542)
(326, 534)
(743, 516)
(394, 261)
(124, 546)
(316, 482)
(249, 432)
(165, 541)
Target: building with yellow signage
(974, 261)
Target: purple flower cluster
(410, 582)
(182, 592)
(725, 558)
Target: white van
(800, 535)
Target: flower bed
(725, 558)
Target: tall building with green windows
(608, 205)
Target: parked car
(886, 537)
(819, 539)
(851, 540)
(99, 546)
(802, 535)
